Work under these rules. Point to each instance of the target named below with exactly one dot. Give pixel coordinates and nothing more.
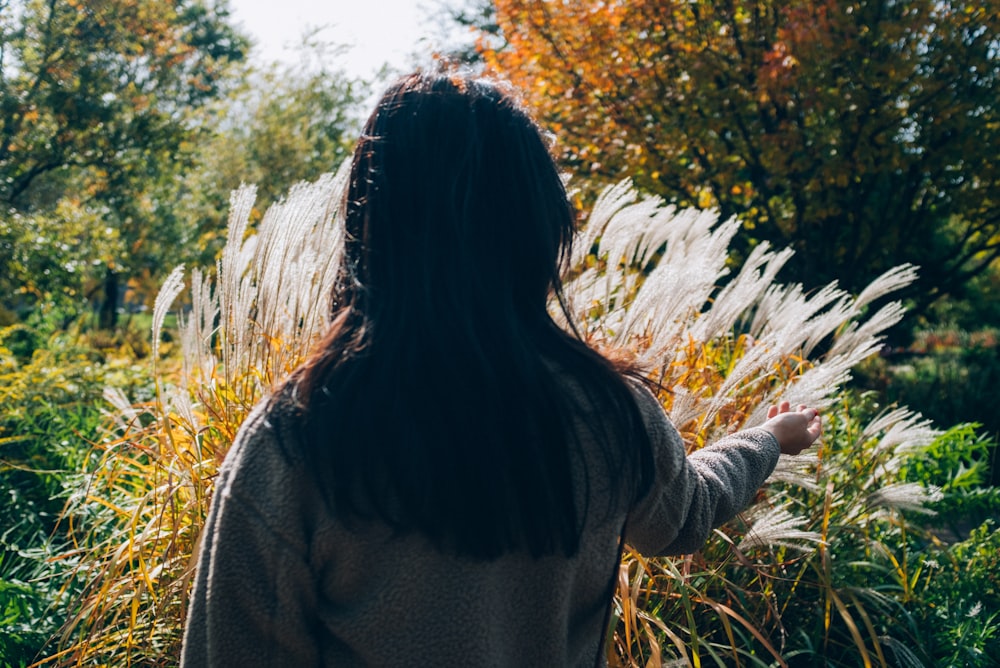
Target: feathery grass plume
(778, 526)
(910, 496)
(887, 420)
(909, 432)
(197, 331)
(798, 471)
(896, 435)
(123, 413)
(889, 281)
(652, 285)
(647, 277)
(137, 524)
(166, 296)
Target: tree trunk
(108, 318)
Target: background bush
(50, 389)
(949, 375)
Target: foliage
(150, 488)
(287, 123)
(43, 253)
(861, 134)
(466, 26)
(829, 566)
(95, 101)
(961, 619)
(947, 374)
(273, 126)
(300, 125)
(50, 390)
(974, 307)
(854, 577)
(959, 459)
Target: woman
(445, 481)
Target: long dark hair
(438, 400)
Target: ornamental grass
(769, 588)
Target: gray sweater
(280, 582)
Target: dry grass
(720, 355)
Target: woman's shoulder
(649, 405)
(583, 389)
(266, 444)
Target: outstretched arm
(692, 494)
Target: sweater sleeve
(254, 599)
(692, 494)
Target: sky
(377, 31)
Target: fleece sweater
(282, 582)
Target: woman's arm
(692, 494)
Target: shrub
(839, 568)
(149, 486)
(50, 388)
(958, 462)
(645, 277)
(949, 375)
(960, 612)
(820, 569)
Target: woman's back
(365, 594)
(302, 587)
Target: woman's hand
(795, 430)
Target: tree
(95, 103)
(465, 27)
(863, 133)
(287, 123)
